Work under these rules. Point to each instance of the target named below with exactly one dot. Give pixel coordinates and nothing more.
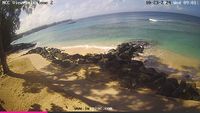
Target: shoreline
(173, 59)
(34, 81)
(167, 57)
(167, 60)
(174, 64)
(86, 49)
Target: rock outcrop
(131, 73)
(21, 46)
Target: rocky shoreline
(130, 73)
(18, 47)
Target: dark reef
(130, 73)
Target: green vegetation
(9, 23)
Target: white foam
(159, 20)
(153, 20)
(89, 47)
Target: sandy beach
(42, 85)
(84, 50)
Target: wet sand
(173, 59)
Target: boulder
(136, 65)
(21, 46)
(65, 63)
(50, 57)
(186, 91)
(158, 82)
(37, 50)
(53, 50)
(61, 56)
(168, 87)
(92, 58)
(143, 78)
(191, 92)
(112, 51)
(81, 61)
(141, 43)
(75, 57)
(150, 71)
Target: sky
(75, 9)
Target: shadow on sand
(89, 84)
(187, 72)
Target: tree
(9, 23)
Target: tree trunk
(3, 57)
(2, 52)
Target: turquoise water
(174, 32)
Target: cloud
(66, 9)
(74, 9)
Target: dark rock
(61, 56)
(122, 47)
(81, 61)
(44, 52)
(150, 71)
(124, 71)
(173, 81)
(136, 65)
(54, 50)
(92, 58)
(35, 107)
(187, 76)
(75, 57)
(158, 82)
(129, 72)
(153, 73)
(115, 63)
(191, 92)
(65, 63)
(143, 78)
(110, 55)
(19, 47)
(97, 58)
(50, 57)
(112, 51)
(142, 43)
(126, 51)
(183, 84)
(37, 50)
(169, 86)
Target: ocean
(174, 32)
